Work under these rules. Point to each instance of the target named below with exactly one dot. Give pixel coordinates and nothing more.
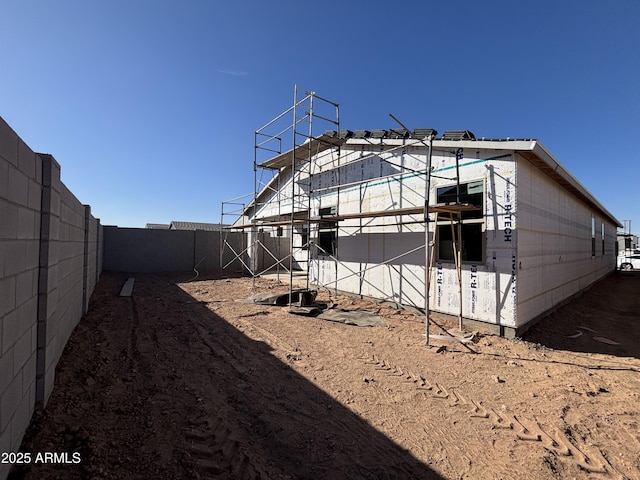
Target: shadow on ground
(605, 319)
(159, 386)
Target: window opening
(471, 193)
(304, 235)
(472, 227)
(472, 245)
(327, 233)
(326, 211)
(593, 235)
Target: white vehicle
(629, 261)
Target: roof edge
(541, 152)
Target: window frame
(471, 220)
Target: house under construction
(495, 231)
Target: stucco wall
(50, 254)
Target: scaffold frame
(297, 156)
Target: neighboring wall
(50, 250)
(147, 250)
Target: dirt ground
(182, 380)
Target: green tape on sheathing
(413, 175)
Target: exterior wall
(536, 236)
(488, 287)
(92, 263)
(388, 251)
(151, 250)
(49, 263)
(65, 272)
(391, 255)
(270, 252)
(555, 257)
(627, 242)
(146, 250)
(279, 199)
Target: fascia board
(550, 161)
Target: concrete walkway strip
(127, 288)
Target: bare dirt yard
(183, 380)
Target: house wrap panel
(555, 243)
(488, 287)
(389, 251)
(539, 237)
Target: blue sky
(150, 105)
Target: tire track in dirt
(452, 457)
(298, 408)
(214, 444)
(217, 453)
(562, 443)
(287, 351)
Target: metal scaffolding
(287, 143)
(288, 193)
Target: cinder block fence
(50, 261)
(51, 256)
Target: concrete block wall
(50, 260)
(20, 197)
(208, 249)
(148, 250)
(92, 260)
(145, 250)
